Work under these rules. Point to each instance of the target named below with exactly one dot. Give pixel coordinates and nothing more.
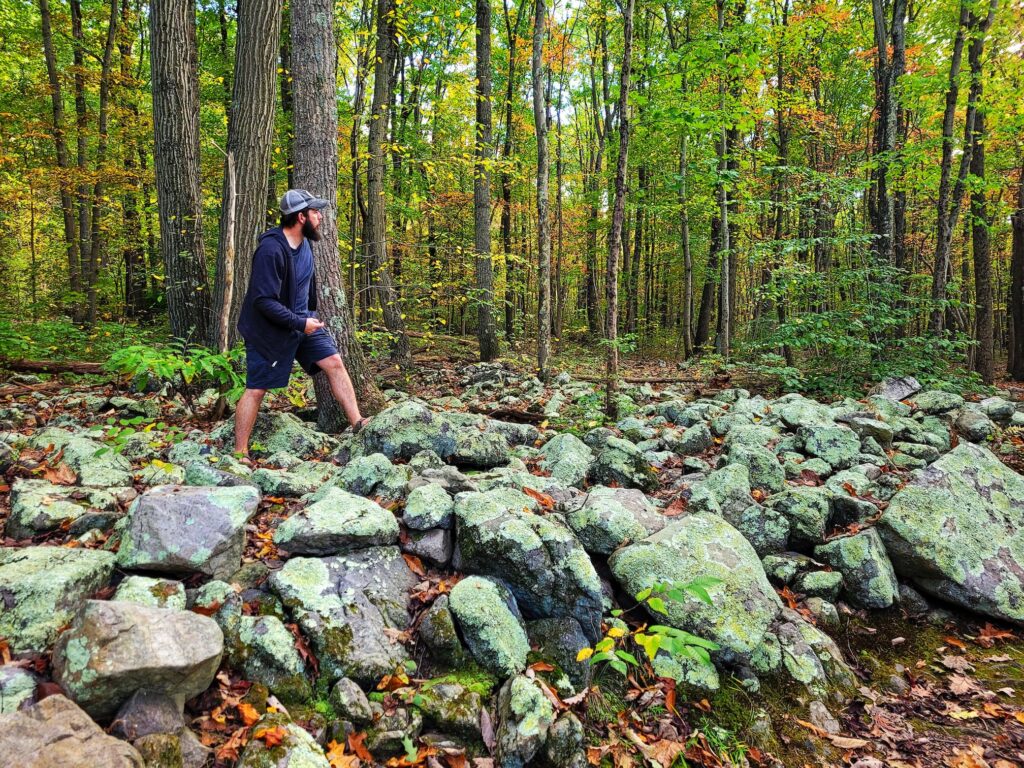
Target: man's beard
(310, 232)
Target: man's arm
(267, 277)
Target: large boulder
(55, 732)
(957, 531)
(38, 506)
(41, 588)
(188, 529)
(611, 517)
(280, 432)
(346, 606)
(867, 572)
(114, 649)
(489, 620)
(339, 522)
(541, 560)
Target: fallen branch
(50, 366)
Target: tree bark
(540, 121)
(316, 169)
(176, 159)
(611, 404)
(376, 215)
(250, 136)
(486, 330)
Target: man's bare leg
(245, 417)
(341, 387)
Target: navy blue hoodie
(268, 322)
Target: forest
(677, 417)
(830, 192)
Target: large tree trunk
(611, 404)
(316, 169)
(250, 135)
(376, 216)
(176, 158)
(485, 327)
(1016, 303)
(540, 120)
(67, 201)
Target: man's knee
(331, 364)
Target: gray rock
(490, 623)
(896, 388)
(567, 458)
(350, 702)
(297, 749)
(184, 529)
(429, 506)
(55, 732)
(957, 531)
(339, 522)
(156, 593)
(41, 588)
(524, 718)
(621, 463)
(542, 562)
(17, 688)
(344, 604)
(611, 517)
(114, 649)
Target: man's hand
(312, 325)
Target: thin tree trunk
(540, 120)
(376, 216)
(316, 169)
(176, 155)
(67, 201)
(250, 136)
(486, 331)
(618, 216)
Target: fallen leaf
(272, 737)
(357, 743)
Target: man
(278, 319)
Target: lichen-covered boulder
(611, 517)
(867, 572)
(292, 746)
(188, 529)
(567, 458)
(41, 588)
(957, 531)
(489, 620)
(55, 732)
(114, 649)
(38, 506)
(524, 717)
(280, 432)
(744, 605)
(622, 463)
(838, 446)
(156, 593)
(339, 522)
(542, 562)
(429, 506)
(346, 605)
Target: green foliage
(186, 370)
(611, 649)
(857, 325)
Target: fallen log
(50, 366)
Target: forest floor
(940, 689)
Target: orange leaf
(272, 737)
(415, 565)
(357, 743)
(248, 713)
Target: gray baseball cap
(299, 200)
